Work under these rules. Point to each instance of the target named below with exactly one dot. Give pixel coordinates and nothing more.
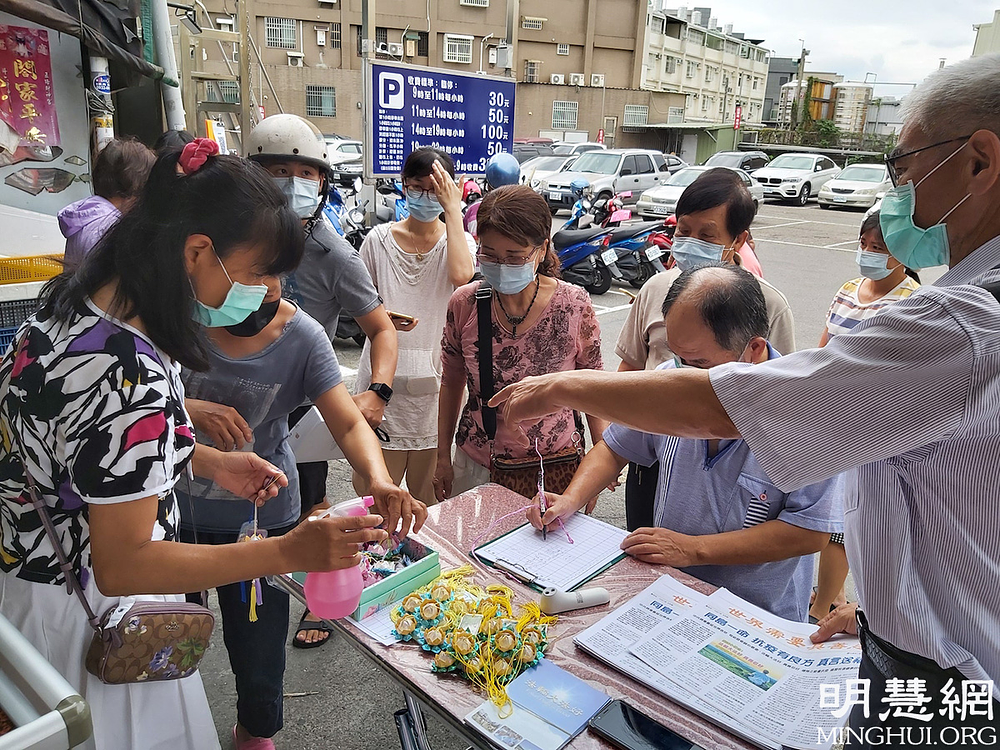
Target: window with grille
(532, 70)
(230, 91)
(335, 35)
(381, 36)
(475, 3)
(457, 49)
(422, 44)
(534, 24)
(321, 101)
(732, 48)
(675, 114)
(279, 32)
(656, 24)
(692, 68)
(696, 37)
(564, 115)
(358, 36)
(636, 115)
(562, 49)
(709, 73)
(669, 65)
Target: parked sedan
(345, 160)
(796, 177)
(859, 185)
(662, 200)
(541, 168)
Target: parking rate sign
(469, 116)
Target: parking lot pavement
(807, 226)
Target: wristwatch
(383, 391)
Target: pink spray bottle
(337, 593)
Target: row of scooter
(594, 247)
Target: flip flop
(306, 625)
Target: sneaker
(254, 743)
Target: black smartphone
(624, 727)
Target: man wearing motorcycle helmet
(502, 169)
(331, 279)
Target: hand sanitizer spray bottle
(337, 593)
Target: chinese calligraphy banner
(27, 95)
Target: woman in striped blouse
(884, 280)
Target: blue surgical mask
(423, 207)
(873, 266)
(240, 302)
(508, 279)
(690, 252)
(302, 195)
(911, 245)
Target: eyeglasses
(484, 257)
(891, 159)
(415, 191)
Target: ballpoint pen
(541, 488)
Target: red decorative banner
(27, 96)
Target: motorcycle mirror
(358, 184)
(357, 216)
(387, 190)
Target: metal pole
(800, 93)
(101, 109)
(244, 17)
(173, 105)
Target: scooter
(637, 259)
(612, 212)
(390, 202)
(582, 260)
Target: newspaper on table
(751, 672)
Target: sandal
(307, 625)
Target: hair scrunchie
(195, 154)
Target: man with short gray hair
(908, 403)
(716, 515)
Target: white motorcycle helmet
(289, 137)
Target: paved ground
(337, 699)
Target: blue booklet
(551, 707)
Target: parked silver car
(859, 185)
(541, 168)
(662, 201)
(608, 172)
(796, 177)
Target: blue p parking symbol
(390, 90)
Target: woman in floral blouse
(540, 324)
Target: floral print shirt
(99, 415)
(566, 337)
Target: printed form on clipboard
(555, 561)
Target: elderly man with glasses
(908, 404)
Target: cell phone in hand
(401, 316)
(626, 728)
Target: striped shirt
(909, 402)
(847, 310)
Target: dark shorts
(312, 476)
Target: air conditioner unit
(557, 78)
(395, 49)
(295, 59)
(597, 79)
(576, 79)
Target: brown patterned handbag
(136, 641)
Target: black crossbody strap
(484, 311)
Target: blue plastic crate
(7, 338)
(15, 311)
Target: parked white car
(859, 185)
(540, 168)
(662, 200)
(565, 148)
(345, 160)
(796, 177)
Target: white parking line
(812, 221)
(805, 244)
(606, 310)
(775, 226)
(845, 242)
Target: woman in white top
(416, 264)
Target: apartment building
(987, 36)
(576, 61)
(714, 68)
(850, 108)
(821, 97)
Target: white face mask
(302, 195)
(690, 252)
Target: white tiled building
(850, 109)
(687, 52)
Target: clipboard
(310, 439)
(553, 562)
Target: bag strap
(484, 310)
(72, 582)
